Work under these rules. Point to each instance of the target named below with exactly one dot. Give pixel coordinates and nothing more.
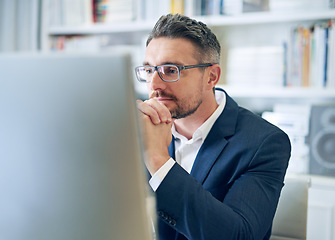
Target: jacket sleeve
(247, 208)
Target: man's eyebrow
(174, 63)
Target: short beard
(181, 111)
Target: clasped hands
(156, 122)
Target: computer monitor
(70, 156)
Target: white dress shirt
(187, 150)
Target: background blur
(278, 59)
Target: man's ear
(213, 76)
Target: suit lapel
(206, 157)
(172, 148)
(216, 141)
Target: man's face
(183, 97)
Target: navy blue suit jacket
(235, 183)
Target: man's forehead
(169, 51)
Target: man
(217, 169)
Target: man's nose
(156, 82)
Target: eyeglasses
(167, 72)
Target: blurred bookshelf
(212, 21)
(279, 92)
(268, 28)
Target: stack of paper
(255, 66)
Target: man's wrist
(160, 174)
(155, 162)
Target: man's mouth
(162, 97)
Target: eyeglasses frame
(180, 68)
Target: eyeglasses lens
(166, 72)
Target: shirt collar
(203, 130)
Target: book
(192, 7)
(331, 55)
(177, 6)
(111, 11)
(210, 7)
(70, 12)
(319, 61)
(119, 10)
(311, 55)
(306, 51)
(255, 5)
(326, 67)
(232, 7)
(54, 13)
(155, 9)
(295, 56)
(87, 12)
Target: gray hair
(179, 26)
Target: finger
(148, 110)
(162, 110)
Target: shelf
(102, 28)
(269, 17)
(281, 92)
(242, 19)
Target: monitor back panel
(70, 159)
